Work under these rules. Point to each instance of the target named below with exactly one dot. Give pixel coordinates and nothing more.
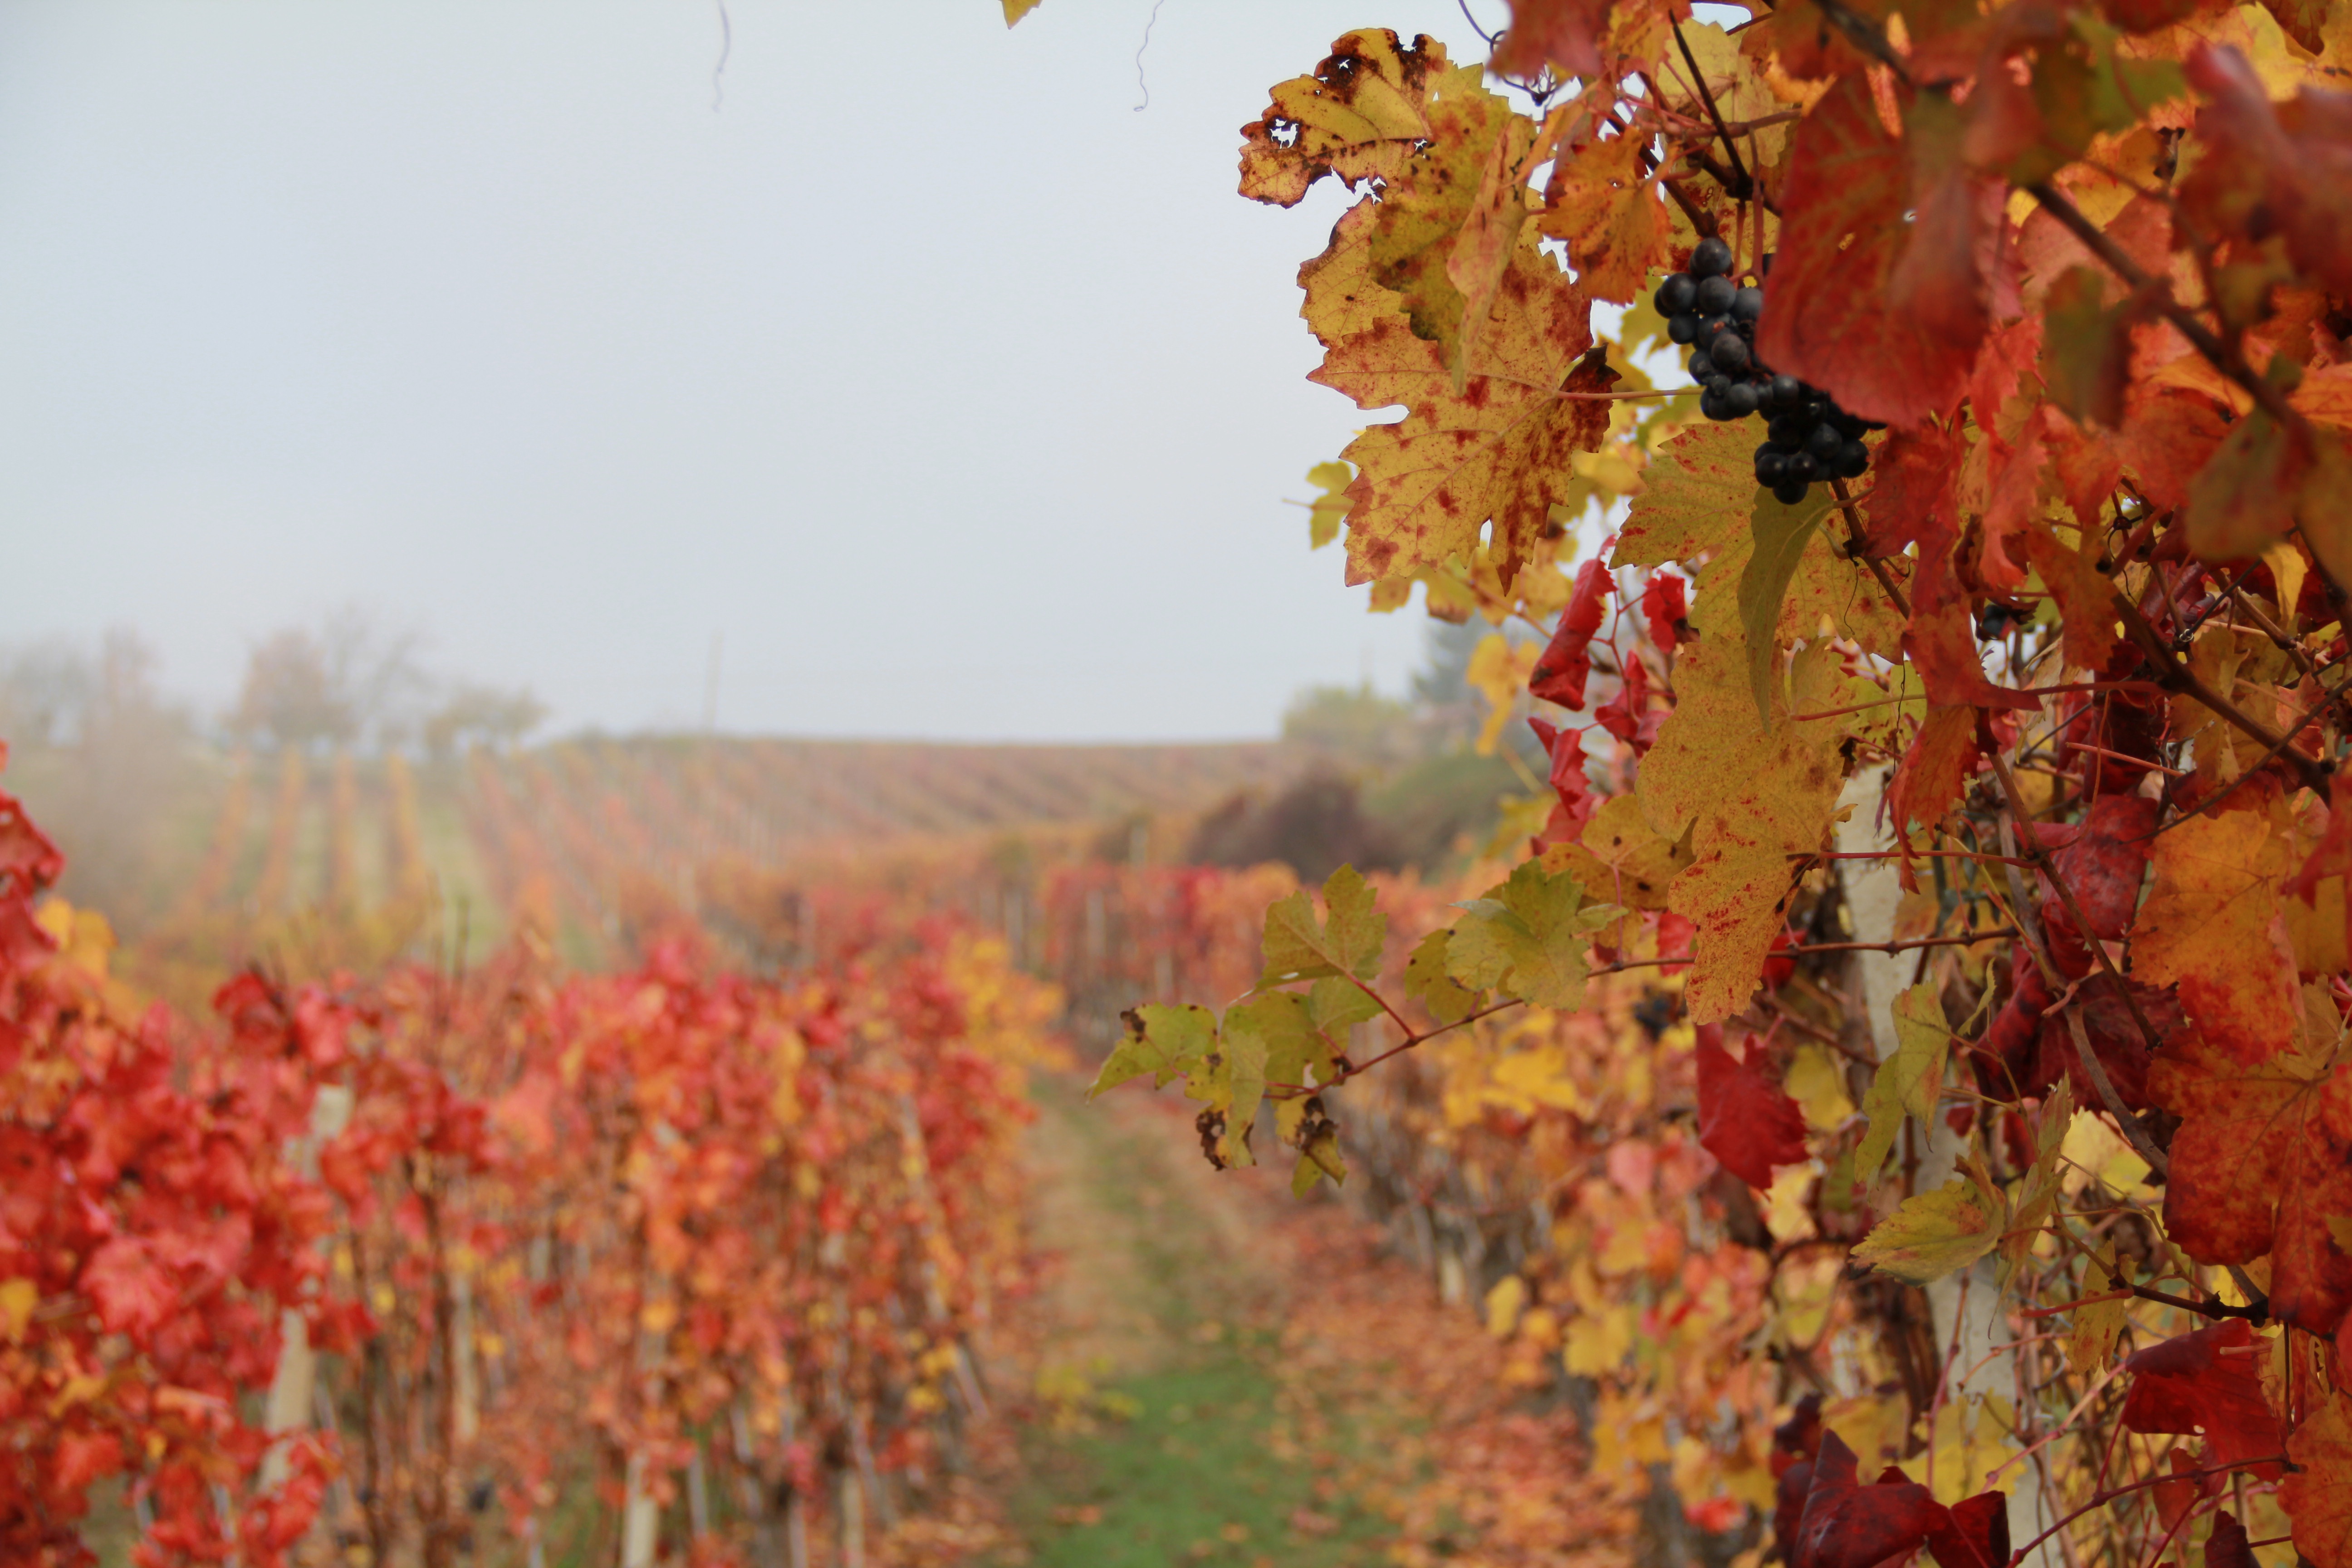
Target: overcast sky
(960, 396)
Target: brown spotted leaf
(1498, 452)
(1359, 116)
(1749, 798)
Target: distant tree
(292, 696)
(112, 763)
(46, 689)
(482, 715)
(1354, 722)
(1314, 825)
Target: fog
(903, 369)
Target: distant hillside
(318, 859)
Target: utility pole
(711, 688)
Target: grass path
(1170, 1426)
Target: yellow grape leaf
(1696, 498)
(1164, 1041)
(1297, 946)
(1329, 509)
(1816, 1081)
(1016, 9)
(1781, 535)
(1427, 982)
(1598, 1342)
(1874, 1428)
(1359, 116)
(2212, 923)
(1229, 1083)
(1499, 670)
(1932, 1234)
(1505, 1301)
(17, 1299)
(2039, 1194)
(1448, 221)
(1528, 938)
(1749, 799)
(2091, 1335)
(1498, 452)
(1909, 1082)
(1621, 856)
(1973, 1437)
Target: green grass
(1197, 1455)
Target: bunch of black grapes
(1810, 438)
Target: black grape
(1747, 305)
(1675, 295)
(1710, 403)
(1712, 256)
(1715, 295)
(1702, 367)
(1682, 329)
(1802, 468)
(1771, 463)
(1823, 444)
(1790, 491)
(1853, 460)
(1729, 353)
(1741, 398)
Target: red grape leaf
(1567, 662)
(1974, 1534)
(1748, 1121)
(1846, 1525)
(1935, 770)
(1613, 220)
(2228, 1546)
(2261, 1164)
(1885, 314)
(1563, 33)
(2273, 168)
(131, 1290)
(2103, 860)
(2318, 1494)
(2184, 1384)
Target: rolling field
(325, 861)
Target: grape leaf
(2273, 168)
(2318, 1492)
(2262, 1160)
(1499, 451)
(1566, 664)
(2212, 923)
(1694, 496)
(1749, 799)
(1935, 770)
(1566, 34)
(1973, 1534)
(1781, 534)
(2185, 1385)
(1748, 1121)
(1621, 857)
(1298, 946)
(2091, 1334)
(1329, 509)
(1882, 312)
(1909, 1081)
(2038, 1194)
(1419, 225)
(1427, 982)
(1162, 1040)
(1848, 1525)
(1932, 1234)
(1614, 219)
(1359, 116)
(1526, 937)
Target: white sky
(960, 397)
